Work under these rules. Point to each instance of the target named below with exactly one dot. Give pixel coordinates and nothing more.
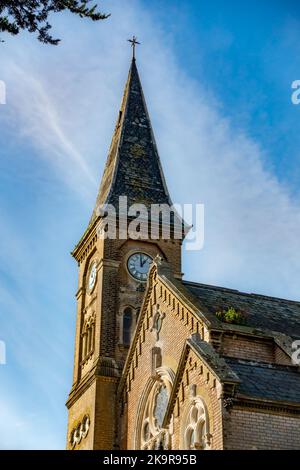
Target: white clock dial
(92, 276)
(138, 265)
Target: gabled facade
(193, 382)
(156, 365)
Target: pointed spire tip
(133, 42)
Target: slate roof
(215, 362)
(262, 312)
(267, 381)
(133, 166)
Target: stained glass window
(161, 404)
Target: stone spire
(133, 167)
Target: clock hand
(141, 261)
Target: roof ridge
(262, 364)
(248, 294)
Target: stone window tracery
(196, 434)
(152, 435)
(80, 431)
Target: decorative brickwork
(154, 368)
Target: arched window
(127, 323)
(150, 434)
(196, 434)
(88, 338)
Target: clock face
(92, 276)
(138, 265)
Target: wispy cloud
(25, 430)
(39, 118)
(62, 104)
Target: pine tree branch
(32, 15)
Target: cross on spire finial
(133, 42)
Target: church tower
(113, 272)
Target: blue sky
(217, 78)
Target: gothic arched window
(150, 433)
(88, 338)
(127, 323)
(196, 426)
